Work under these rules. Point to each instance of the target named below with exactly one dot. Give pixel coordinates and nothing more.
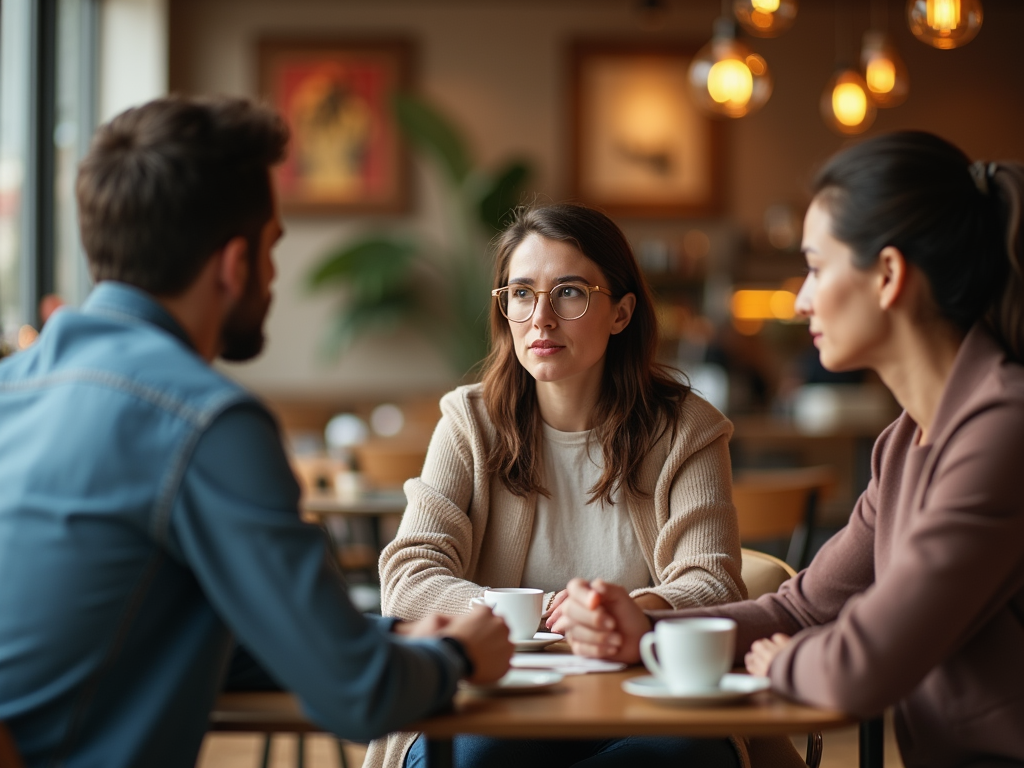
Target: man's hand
(602, 621)
(761, 654)
(485, 638)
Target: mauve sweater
(919, 601)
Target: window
(47, 114)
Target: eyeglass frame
(496, 293)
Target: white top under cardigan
(573, 536)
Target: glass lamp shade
(765, 18)
(944, 24)
(884, 71)
(726, 77)
(846, 103)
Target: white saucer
(539, 641)
(516, 681)
(732, 688)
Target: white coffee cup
(692, 654)
(520, 607)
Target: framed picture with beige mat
(640, 146)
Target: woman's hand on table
(553, 616)
(602, 621)
(761, 654)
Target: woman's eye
(570, 291)
(520, 293)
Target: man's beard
(242, 336)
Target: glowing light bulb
(846, 105)
(849, 104)
(727, 78)
(765, 18)
(884, 71)
(731, 82)
(944, 24)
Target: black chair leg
(265, 763)
(872, 743)
(815, 747)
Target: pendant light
(726, 77)
(944, 24)
(846, 103)
(765, 18)
(884, 71)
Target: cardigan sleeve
(958, 566)
(422, 571)
(697, 550)
(691, 541)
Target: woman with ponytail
(577, 455)
(915, 259)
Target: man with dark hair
(148, 516)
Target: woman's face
(841, 301)
(552, 349)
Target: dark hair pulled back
(957, 221)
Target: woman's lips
(815, 337)
(545, 348)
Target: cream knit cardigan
(463, 530)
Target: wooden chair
(9, 757)
(266, 713)
(763, 573)
(781, 504)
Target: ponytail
(1005, 317)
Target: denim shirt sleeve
(271, 578)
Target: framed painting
(346, 154)
(640, 146)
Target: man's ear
(234, 267)
(892, 276)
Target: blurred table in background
(770, 442)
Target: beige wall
(498, 68)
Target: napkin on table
(566, 663)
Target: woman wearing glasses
(577, 454)
(915, 262)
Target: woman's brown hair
(639, 400)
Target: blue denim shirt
(148, 517)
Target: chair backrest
(770, 504)
(9, 757)
(763, 573)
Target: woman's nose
(803, 298)
(543, 314)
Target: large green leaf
(432, 132)
(375, 258)
(504, 194)
(358, 317)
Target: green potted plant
(393, 280)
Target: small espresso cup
(518, 606)
(692, 654)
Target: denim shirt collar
(127, 301)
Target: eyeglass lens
(567, 300)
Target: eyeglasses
(569, 301)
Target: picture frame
(346, 154)
(640, 146)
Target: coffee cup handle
(647, 653)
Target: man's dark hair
(166, 184)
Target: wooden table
(595, 706)
(582, 706)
